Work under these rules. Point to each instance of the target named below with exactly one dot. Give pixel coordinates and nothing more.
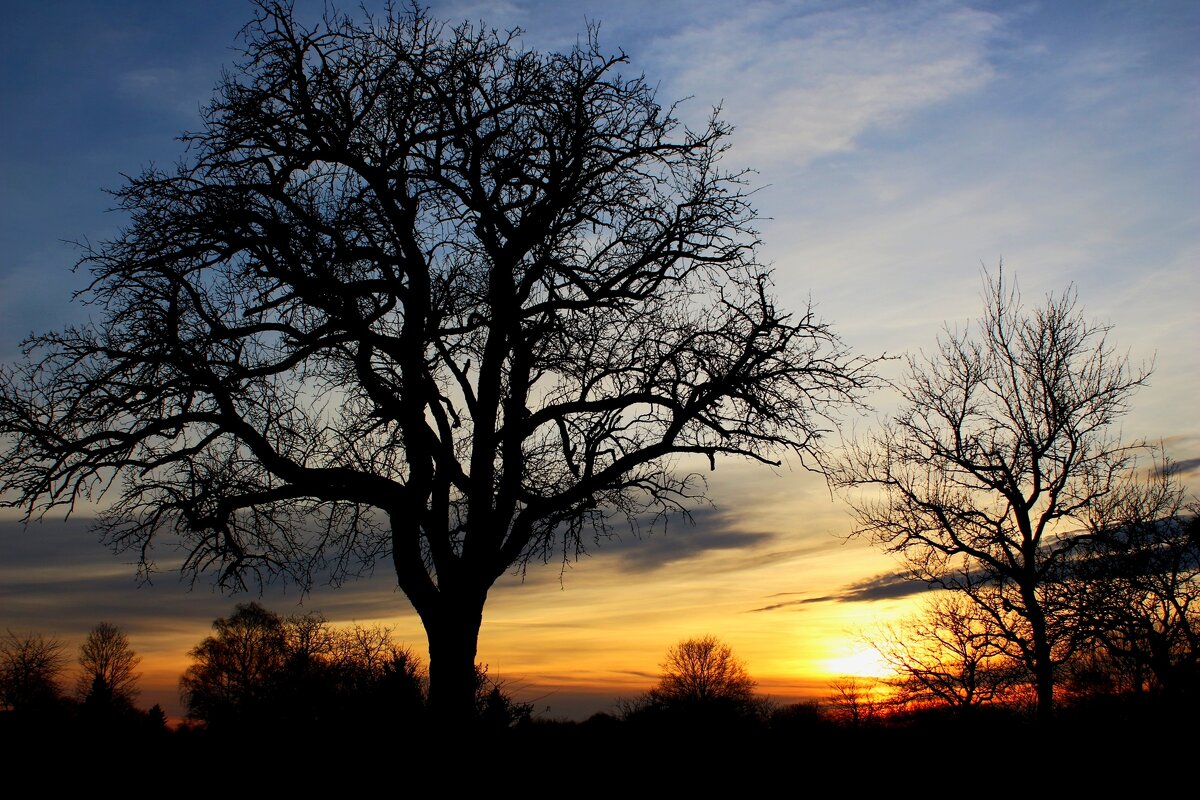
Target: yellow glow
(864, 662)
(575, 637)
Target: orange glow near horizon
(575, 638)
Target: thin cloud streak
(800, 85)
(678, 540)
(889, 586)
(1182, 467)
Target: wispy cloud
(1184, 467)
(58, 578)
(888, 586)
(681, 539)
(800, 84)
(184, 92)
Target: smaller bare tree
(1004, 442)
(702, 680)
(30, 667)
(366, 649)
(233, 670)
(952, 653)
(107, 667)
(703, 670)
(852, 701)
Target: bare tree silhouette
(703, 684)
(950, 653)
(704, 670)
(233, 671)
(1004, 442)
(852, 700)
(421, 294)
(107, 667)
(30, 670)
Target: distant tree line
(265, 679)
(259, 670)
(32, 695)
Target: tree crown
(703, 670)
(1003, 432)
(984, 479)
(418, 291)
(108, 665)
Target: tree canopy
(417, 292)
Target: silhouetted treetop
(703, 670)
(107, 667)
(31, 666)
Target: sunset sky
(900, 148)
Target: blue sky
(900, 148)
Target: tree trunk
(1044, 675)
(1043, 664)
(453, 631)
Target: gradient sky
(900, 149)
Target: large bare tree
(983, 480)
(418, 293)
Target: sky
(901, 151)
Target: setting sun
(863, 662)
